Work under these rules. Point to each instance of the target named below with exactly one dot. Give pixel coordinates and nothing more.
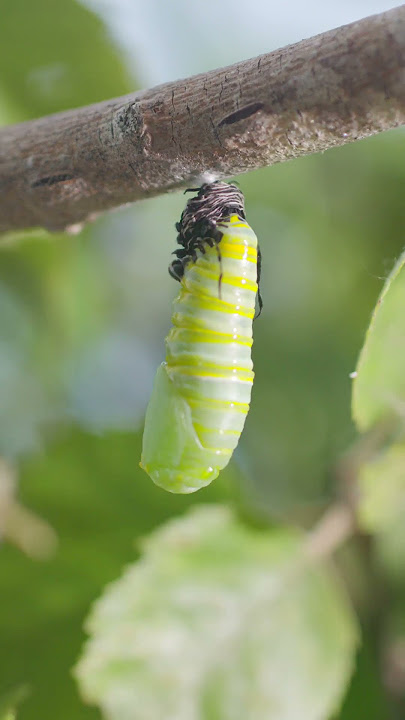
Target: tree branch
(334, 88)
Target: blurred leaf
(92, 492)
(381, 508)
(10, 700)
(61, 57)
(382, 489)
(217, 621)
(390, 550)
(366, 699)
(379, 387)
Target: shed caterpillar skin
(202, 392)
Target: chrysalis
(202, 392)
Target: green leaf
(389, 545)
(379, 386)
(217, 621)
(382, 489)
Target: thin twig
(332, 89)
(333, 529)
(21, 526)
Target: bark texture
(334, 88)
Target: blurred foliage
(211, 621)
(85, 487)
(82, 322)
(10, 701)
(379, 385)
(381, 504)
(56, 55)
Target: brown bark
(334, 88)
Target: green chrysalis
(202, 392)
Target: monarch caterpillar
(202, 392)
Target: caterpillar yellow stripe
(202, 391)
